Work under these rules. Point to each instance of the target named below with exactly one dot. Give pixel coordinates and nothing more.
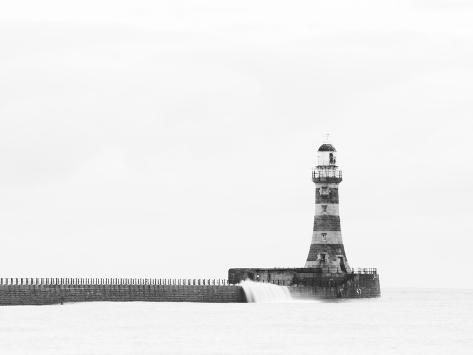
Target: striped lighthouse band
(326, 193)
(326, 237)
(327, 223)
(322, 209)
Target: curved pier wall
(54, 294)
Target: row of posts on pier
(336, 270)
(369, 270)
(111, 281)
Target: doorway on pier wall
(342, 264)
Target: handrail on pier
(49, 281)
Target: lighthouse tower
(327, 253)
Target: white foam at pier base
(265, 292)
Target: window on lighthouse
(324, 208)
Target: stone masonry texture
(54, 294)
(327, 223)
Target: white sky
(176, 138)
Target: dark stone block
(331, 197)
(327, 223)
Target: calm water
(401, 322)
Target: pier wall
(302, 283)
(314, 283)
(13, 294)
(360, 286)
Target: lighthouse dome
(326, 147)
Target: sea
(401, 321)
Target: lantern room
(327, 156)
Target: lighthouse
(326, 253)
(326, 273)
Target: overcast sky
(177, 138)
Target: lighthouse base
(312, 283)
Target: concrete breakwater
(44, 291)
(313, 282)
(57, 291)
(360, 286)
